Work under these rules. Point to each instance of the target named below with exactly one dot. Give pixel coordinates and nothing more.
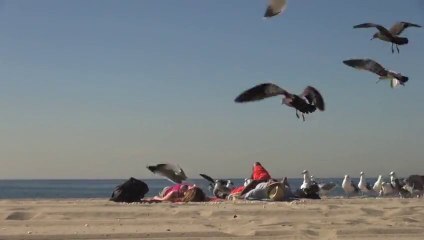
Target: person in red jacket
(259, 174)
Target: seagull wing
(380, 28)
(368, 186)
(314, 97)
(399, 27)
(259, 92)
(367, 64)
(356, 189)
(275, 7)
(207, 178)
(168, 171)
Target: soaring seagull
(373, 66)
(169, 171)
(307, 102)
(275, 7)
(391, 35)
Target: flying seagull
(275, 7)
(373, 66)
(169, 171)
(307, 102)
(391, 35)
(220, 188)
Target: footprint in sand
(373, 212)
(20, 216)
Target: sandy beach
(317, 219)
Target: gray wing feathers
(367, 64)
(207, 178)
(171, 172)
(399, 27)
(314, 97)
(260, 92)
(380, 28)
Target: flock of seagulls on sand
(308, 102)
(409, 187)
(413, 186)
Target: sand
(356, 218)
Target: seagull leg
(397, 47)
(393, 51)
(297, 114)
(303, 116)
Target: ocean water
(36, 189)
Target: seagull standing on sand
(324, 188)
(274, 8)
(378, 184)
(348, 186)
(171, 172)
(374, 67)
(387, 189)
(307, 102)
(363, 185)
(306, 180)
(393, 177)
(391, 35)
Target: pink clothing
(178, 188)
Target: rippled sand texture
(319, 219)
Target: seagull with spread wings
(374, 67)
(219, 187)
(307, 102)
(275, 7)
(391, 35)
(169, 171)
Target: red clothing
(237, 190)
(260, 173)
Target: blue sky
(100, 89)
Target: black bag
(130, 191)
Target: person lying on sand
(270, 190)
(179, 193)
(259, 175)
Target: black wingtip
(237, 100)
(349, 62)
(404, 79)
(151, 168)
(270, 13)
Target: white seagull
(348, 186)
(393, 177)
(378, 184)
(387, 189)
(363, 185)
(306, 180)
